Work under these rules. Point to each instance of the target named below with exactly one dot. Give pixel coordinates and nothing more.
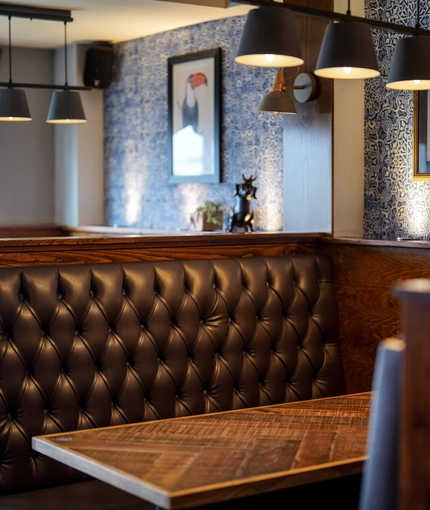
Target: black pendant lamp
(13, 102)
(269, 39)
(410, 68)
(347, 52)
(66, 105)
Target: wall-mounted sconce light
(347, 50)
(13, 102)
(66, 106)
(410, 67)
(280, 98)
(269, 39)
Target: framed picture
(194, 117)
(421, 136)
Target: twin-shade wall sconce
(66, 105)
(270, 39)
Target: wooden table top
(195, 460)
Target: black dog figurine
(242, 215)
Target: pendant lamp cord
(65, 53)
(348, 12)
(10, 52)
(418, 15)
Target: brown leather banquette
(98, 345)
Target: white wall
(79, 162)
(348, 147)
(26, 148)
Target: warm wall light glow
(417, 219)
(133, 204)
(269, 218)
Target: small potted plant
(208, 217)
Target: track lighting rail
(336, 16)
(42, 86)
(25, 11)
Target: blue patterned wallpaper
(394, 204)
(136, 121)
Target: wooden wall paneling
(70, 250)
(368, 312)
(307, 139)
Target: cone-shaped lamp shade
(347, 52)
(277, 102)
(269, 39)
(13, 105)
(66, 108)
(410, 69)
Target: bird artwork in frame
(194, 116)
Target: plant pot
(199, 222)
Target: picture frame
(421, 136)
(194, 101)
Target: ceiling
(110, 21)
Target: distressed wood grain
(194, 460)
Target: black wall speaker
(98, 67)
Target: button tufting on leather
(59, 295)
(91, 293)
(89, 372)
(123, 292)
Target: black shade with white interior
(66, 105)
(347, 52)
(270, 39)
(410, 69)
(66, 108)
(13, 102)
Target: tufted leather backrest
(97, 345)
